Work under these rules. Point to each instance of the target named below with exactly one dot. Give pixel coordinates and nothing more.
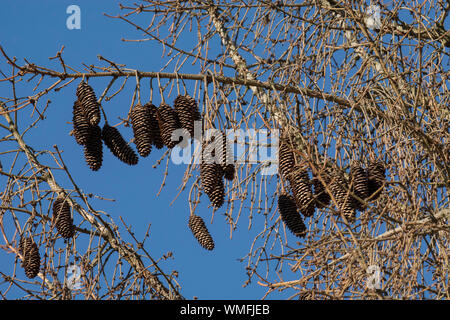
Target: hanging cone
(341, 193)
(376, 177)
(81, 126)
(62, 218)
(359, 185)
(154, 127)
(141, 124)
(31, 260)
(93, 150)
(88, 101)
(187, 111)
(321, 196)
(118, 146)
(211, 179)
(286, 159)
(168, 122)
(301, 189)
(200, 232)
(290, 216)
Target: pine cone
(187, 111)
(290, 216)
(62, 218)
(90, 106)
(168, 122)
(118, 146)
(286, 160)
(81, 126)
(31, 260)
(200, 231)
(341, 193)
(211, 179)
(376, 178)
(154, 126)
(359, 185)
(141, 122)
(321, 196)
(93, 150)
(301, 188)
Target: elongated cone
(359, 185)
(118, 146)
(141, 124)
(286, 159)
(290, 216)
(93, 149)
(341, 192)
(168, 122)
(81, 126)
(62, 218)
(31, 259)
(301, 189)
(200, 232)
(154, 127)
(89, 104)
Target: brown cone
(81, 126)
(31, 260)
(88, 101)
(301, 189)
(93, 149)
(141, 124)
(118, 146)
(200, 232)
(168, 122)
(62, 218)
(339, 187)
(290, 216)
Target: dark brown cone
(286, 160)
(321, 196)
(200, 232)
(290, 216)
(211, 179)
(359, 185)
(62, 218)
(93, 150)
(141, 124)
(187, 111)
(31, 260)
(301, 189)
(154, 126)
(168, 122)
(81, 126)
(376, 177)
(88, 101)
(229, 172)
(339, 187)
(118, 146)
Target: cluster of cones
(152, 126)
(62, 220)
(349, 195)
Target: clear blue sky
(36, 30)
